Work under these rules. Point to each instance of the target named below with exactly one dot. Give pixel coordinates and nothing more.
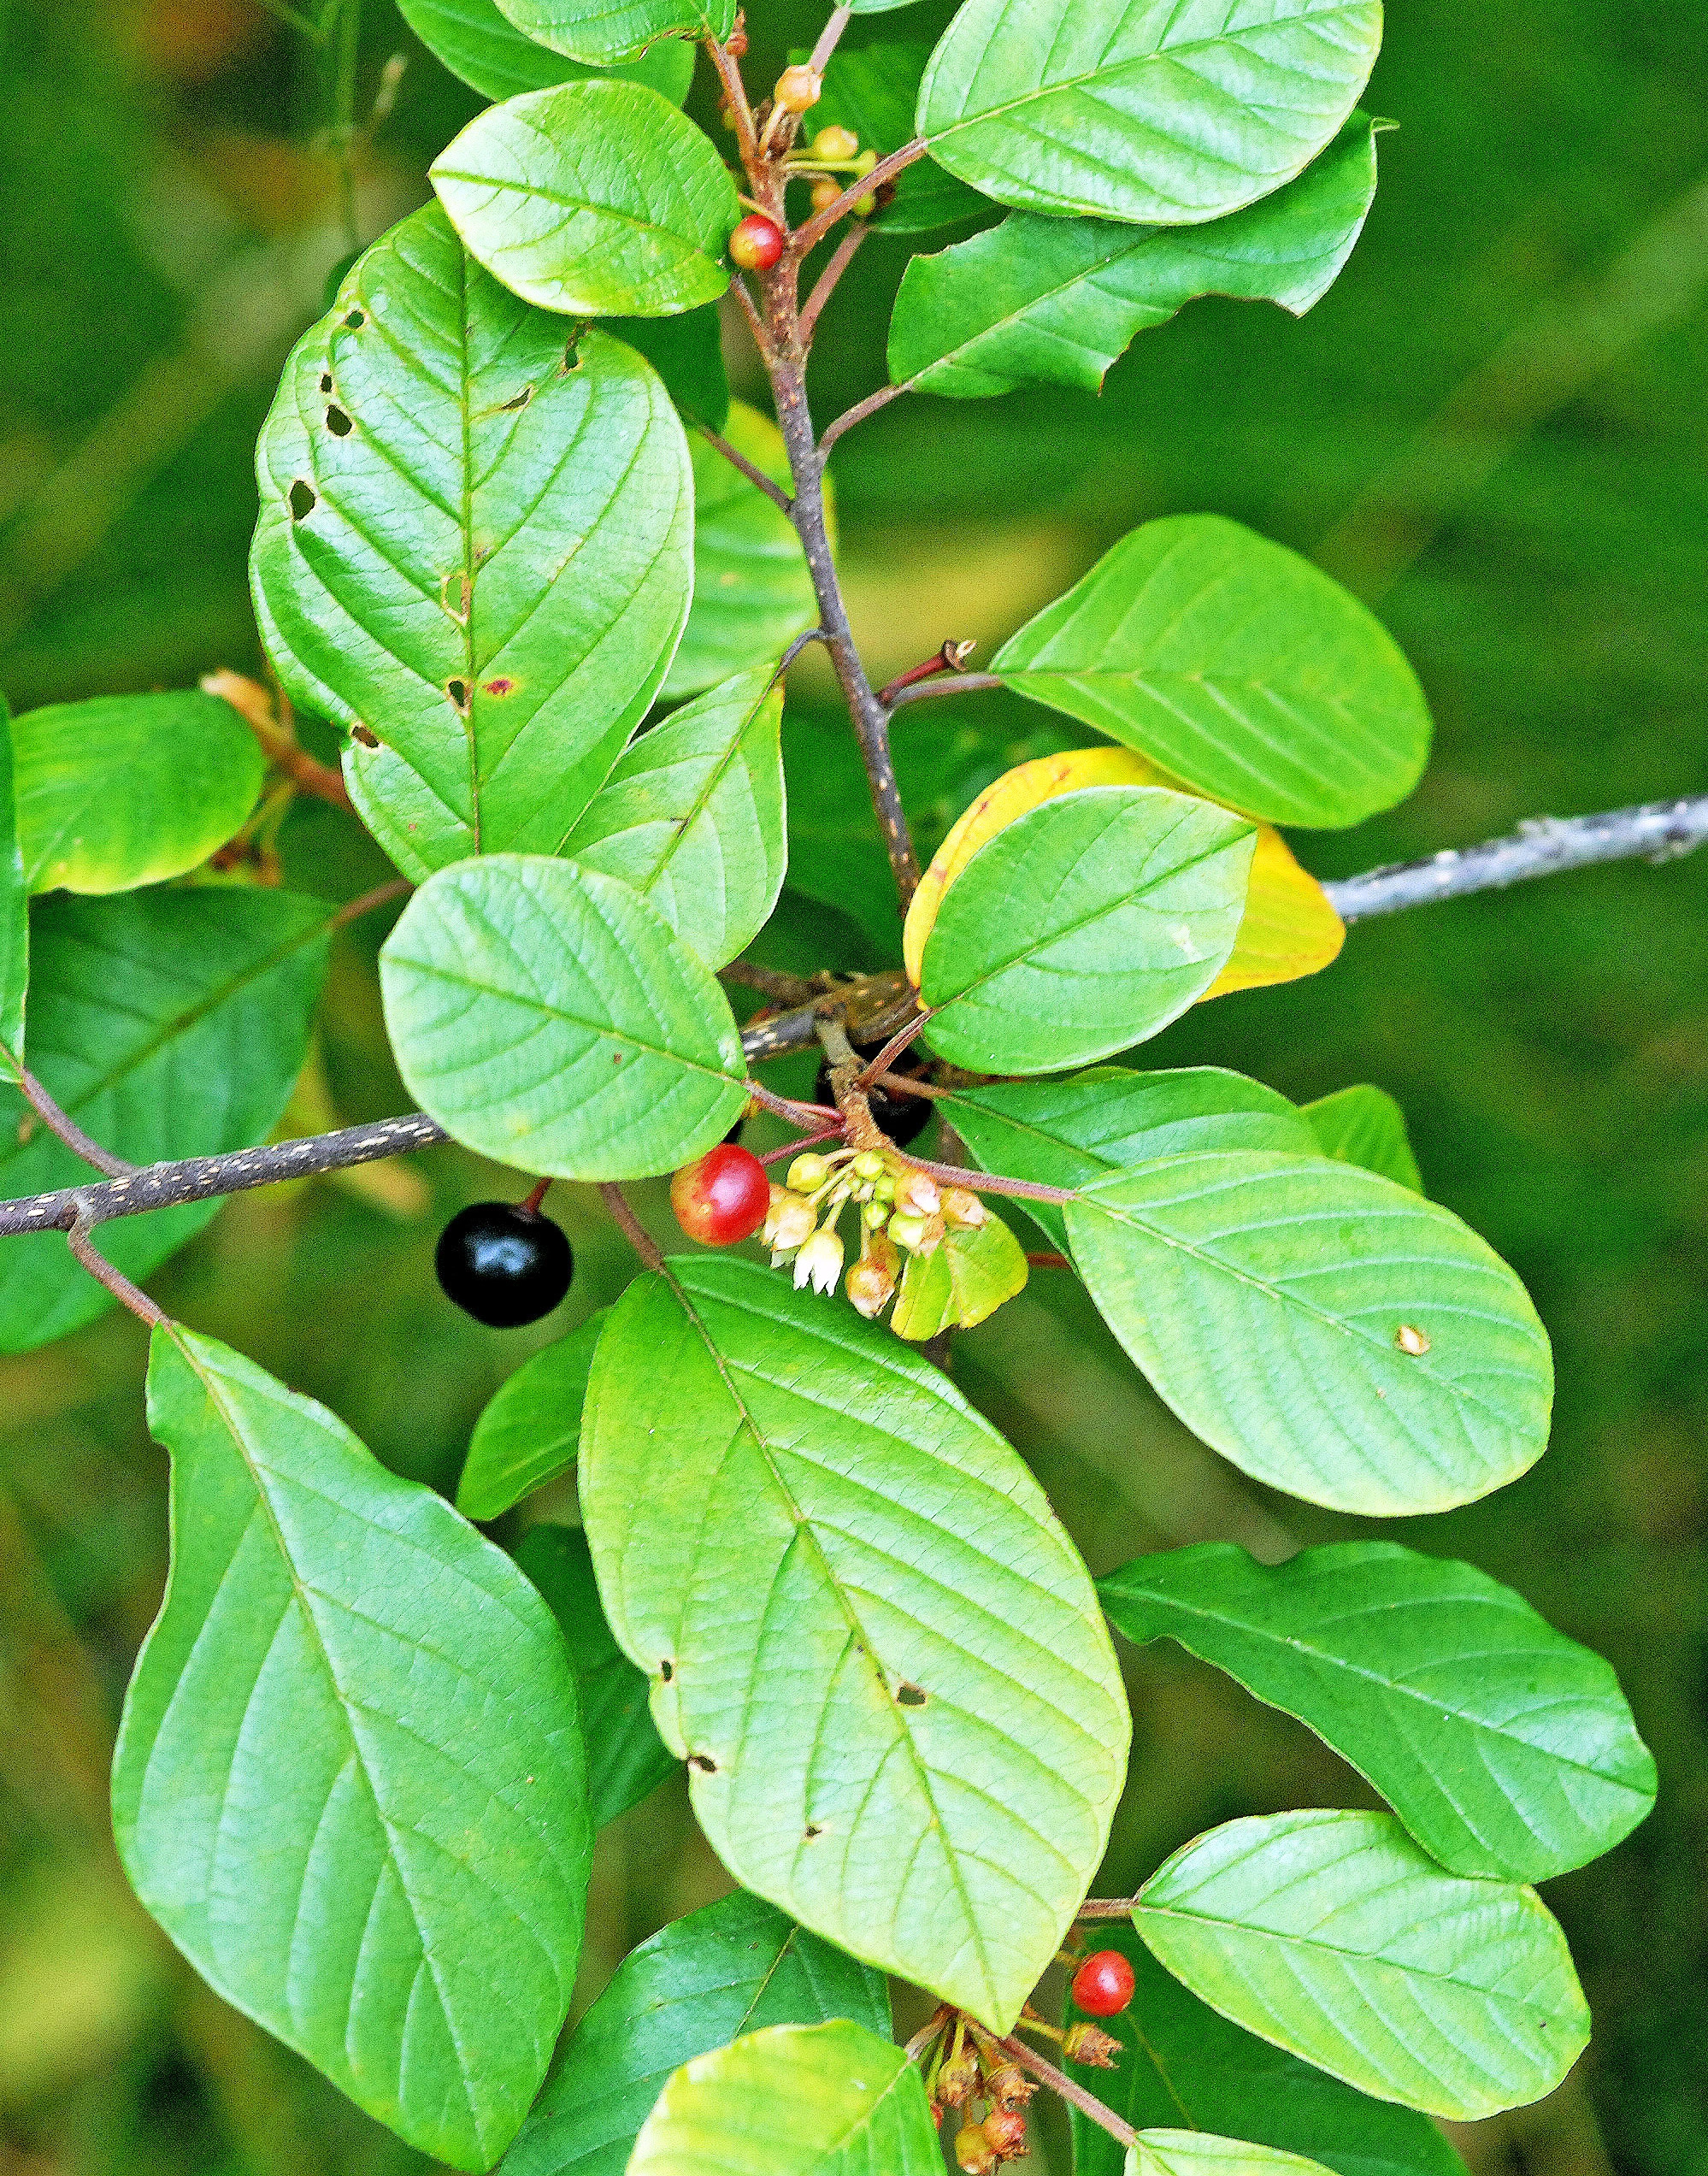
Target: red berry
(757, 244)
(1102, 1985)
(722, 1198)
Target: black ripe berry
(504, 1264)
(902, 1118)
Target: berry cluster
(832, 161)
(972, 2078)
(901, 1211)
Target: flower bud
(808, 1173)
(1005, 2129)
(962, 1206)
(825, 193)
(833, 143)
(818, 1262)
(868, 1164)
(906, 1231)
(789, 1224)
(871, 1285)
(875, 1215)
(974, 2151)
(798, 88)
(1089, 2043)
(916, 1195)
(883, 1189)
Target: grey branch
(1656, 832)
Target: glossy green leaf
(128, 790)
(601, 31)
(15, 911)
(1042, 301)
(752, 591)
(873, 89)
(868, 1634)
(1180, 2063)
(686, 351)
(1505, 1748)
(348, 1781)
(794, 2100)
(692, 816)
(626, 1757)
(1364, 1125)
(548, 1016)
(1143, 110)
(474, 557)
(475, 41)
(1195, 2153)
(967, 1278)
(1276, 1303)
(730, 1968)
(598, 198)
(1334, 1935)
(1239, 667)
(1076, 1131)
(527, 1434)
(169, 1024)
(1087, 925)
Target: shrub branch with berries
(546, 582)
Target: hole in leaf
(303, 500)
(338, 422)
(911, 1695)
(357, 319)
(1411, 1341)
(571, 360)
(326, 382)
(362, 733)
(667, 1669)
(458, 691)
(514, 407)
(813, 1830)
(704, 1762)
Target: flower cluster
(901, 1210)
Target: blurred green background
(1495, 428)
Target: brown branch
(1075, 2095)
(59, 1121)
(82, 1245)
(857, 414)
(964, 683)
(829, 38)
(735, 97)
(825, 287)
(630, 1225)
(951, 658)
(807, 237)
(1106, 1907)
(754, 475)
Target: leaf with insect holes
(603, 31)
(1088, 923)
(867, 1632)
(169, 1023)
(730, 1968)
(692, 816)
(1240, 668)
(1364, 1125)
(127, 790)
(1041, 301)
(1330, 1333)
(527, 1433)
(968, 1277)
(1334, 1936)
(476, 42)
(1506, 1749)
(626, 1757)
(598, 198)
(15, 911)
(1143, 110)
(474, 550)
(548, 1016)
(752, 589)
(348, 1781)
(1074, 1131)
(873, 91)
(1178, 2062)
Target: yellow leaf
(1289, 928)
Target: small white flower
(791, 1224)
(818, 1262)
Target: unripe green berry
(834, 142)
(808, 1173)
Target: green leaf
(692, 816)
(874, 91)
(600, 31)
(1143, 110)
(1365, 1126)
(1089, 923)
(169, 1024)
(15, 911)
(752, 589)
(867, 1632)
(969, 1277)
(1040, 301)
(1180, 2063)
(547, 1016)
(731, 1967)
(349, 1782)
(1333, 1935)
(475, 558)
(475, 42)
(1076, 1131)
(1271, 1299)
(598, 198)
(129, 790)
(528, 1432)
(1194, 2153)
(626, 1757)
(686, 351)
(1239, 667)
(1505, 1748)
(794, 2100)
